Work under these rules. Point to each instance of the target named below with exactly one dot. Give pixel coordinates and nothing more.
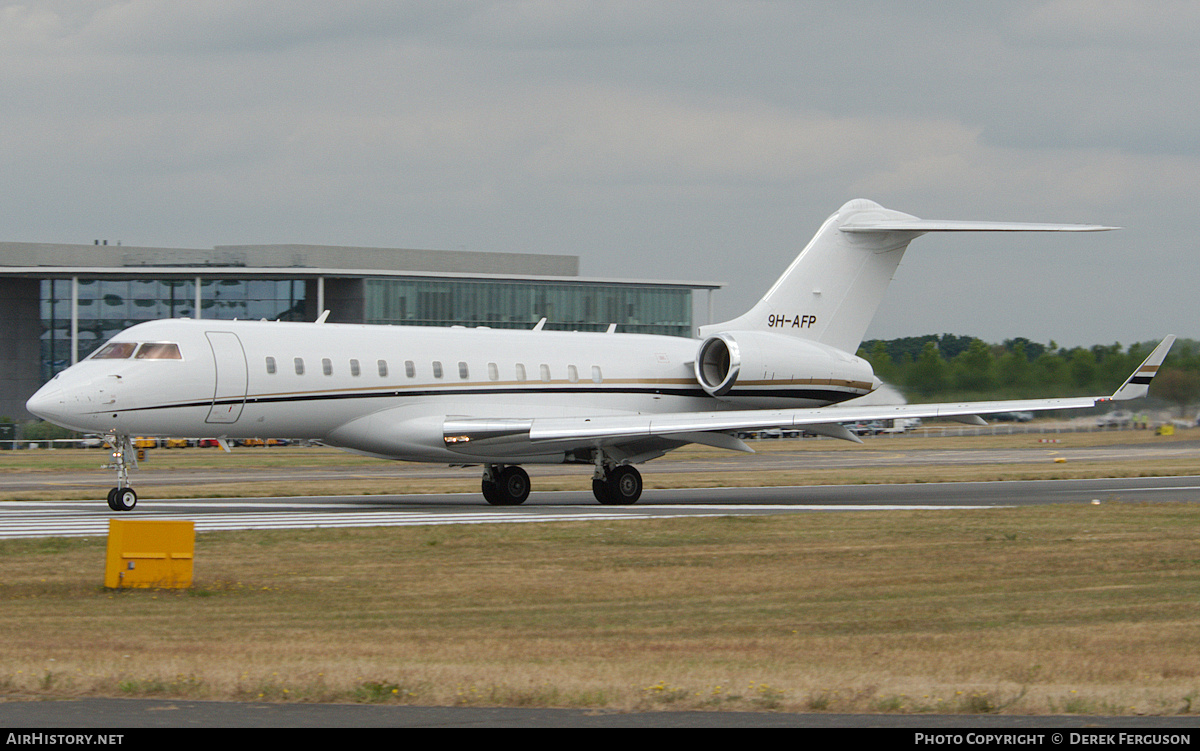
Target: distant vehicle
(870, 427)
(753, 434)
(901, 425)
(1116, 419)
(1013, 416)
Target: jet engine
(764, 369)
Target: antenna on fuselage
(538, 326)
(321, 318)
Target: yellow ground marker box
(149, 553)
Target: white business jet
(504, 398)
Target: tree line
(953, 368)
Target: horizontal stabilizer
(866, 226)
(834, 286)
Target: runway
(82, 518)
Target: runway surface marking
(1145, 490)
(43, 519)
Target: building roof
(50, 260)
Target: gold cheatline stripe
(807, 382)
(558, 382)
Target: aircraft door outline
(232, 377)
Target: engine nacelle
(764, 369)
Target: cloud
(628, 133)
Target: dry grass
(1075, 609)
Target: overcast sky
(665, 140)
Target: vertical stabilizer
(831, 291)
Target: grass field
(1057, 609)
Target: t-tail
(831, 291)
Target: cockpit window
(158, 351)
(115, 351)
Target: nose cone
(49, 403)
(58, 405)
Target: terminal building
(58, 303)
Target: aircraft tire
(620, 487)
(514, 485)
(510, 488)
(122, 499)
(491, 493)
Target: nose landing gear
(122, 497)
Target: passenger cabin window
(597, 376)
(158, 351)
(463, 372)
(299, 361)
(437, 369)
(383, 368)
(572, 374)
(270, 366)
(327, 366)
(410, 369)
(354, 371)
(115, 351)
(545, 370)
(493, 372)
(520, 372)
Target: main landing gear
(613, 485)
(505, 486)
(122, 497)
(617, 486)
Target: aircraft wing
(469, 435)
(638, 426)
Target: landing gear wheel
(622, 486)
(600, 490)
(122, 499)
(514, 485)
(510, 488)
(491, 492)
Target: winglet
(1138, 384)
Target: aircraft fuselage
(386, 390)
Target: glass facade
(107, 306)
(567, 306)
